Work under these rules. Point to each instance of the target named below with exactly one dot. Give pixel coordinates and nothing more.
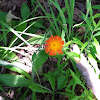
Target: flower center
(54, 45)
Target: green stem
(53, 98)
(58, 62)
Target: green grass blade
(64, 25)
(13, 31)
(55, 21)
(47, 16)
(70, 11)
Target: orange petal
(60, 52)
(54, 45)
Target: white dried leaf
(10, 16)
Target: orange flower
(54, 45)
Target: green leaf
(87, 94)
(97, 47)
(14, 68)
(96, 7)
(38, 24)
(93, 62)
(14, 80)
(97, 26)
(38, 88)
(87, 20)
(33, 96)
(21, 27)
(25, 11)
(35, 40)
(39, 59)
(97, 29)
(70, 88)
(8, 55)
(96, 15)
(77, 80)
(67, 44)
(71, 55)
(97, 34)
(51, 79)
(77, 98)
(1, 88)
(61, 81)
(24, 95)
(4, 35)
(84, 45)
(77, 41)
(63, 35)
(32, 2)
(96, 43)
(3, 16)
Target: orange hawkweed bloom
(54, 45)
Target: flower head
(54, 45)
